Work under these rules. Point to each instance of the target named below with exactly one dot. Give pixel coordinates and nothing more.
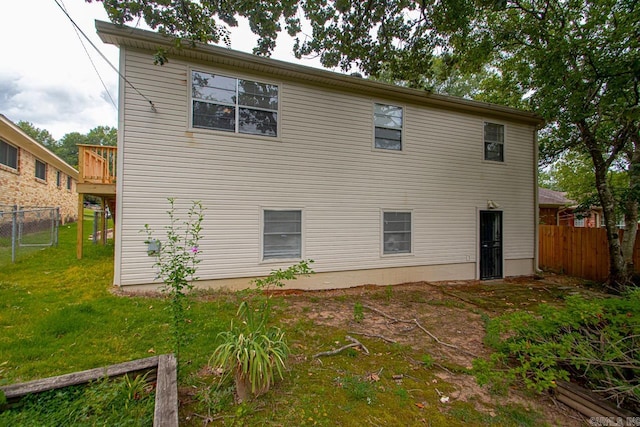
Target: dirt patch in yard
(444, 320)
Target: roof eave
(148, 40)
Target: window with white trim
(396, 232)
(8, 155)
(282, 234)
(578, 221)
(234, 105)
(494, 142)
(41, 170)
(388, 127)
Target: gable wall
(324, 164)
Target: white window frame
(578, 222)
(382, 232)
(236, 105)
(17, 156)
(485, 142)
(270, 259)
(400, 128)
(35, 171)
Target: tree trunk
(618, 275)
(631, 209)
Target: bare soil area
(445, 320)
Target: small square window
(41, 170)
(396, 232)
(8, 155)
(494, 142)
(282, 234)
(388, 127)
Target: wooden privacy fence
(577, 251)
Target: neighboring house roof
(11, 133)
(551, 198)
(141, 39)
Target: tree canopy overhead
(574, 62)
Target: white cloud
(46, 77)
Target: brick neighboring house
(556, 209)
(32, 176)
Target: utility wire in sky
(153, 107)
(92, 63)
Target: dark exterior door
(490, 245)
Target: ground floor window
(41, 170)
(8, 155)
(282, 235)
(396, 232)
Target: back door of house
(490, 245)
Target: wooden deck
(97, 165)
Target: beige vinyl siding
(322, 163)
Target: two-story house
(378, 184)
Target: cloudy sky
(47, 78)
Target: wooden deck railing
(97, 164)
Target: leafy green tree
(41, 135)
(67, 147)
(576, 63)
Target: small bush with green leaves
(254, 351)
(596, 340)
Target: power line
(93, 64)
(153, 107)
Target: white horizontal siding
(323, 163)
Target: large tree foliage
(67, 147)
(576, 63)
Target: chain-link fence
(25, 228)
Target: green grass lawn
(59, 315)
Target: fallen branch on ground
(382, 337)
(417, 324)
(354, 343)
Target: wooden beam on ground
(140, 366)
(588, 403)
(166, 411)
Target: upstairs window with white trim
(8, 155)
(41, 170)
(494, 142)
(282, 234)
(388, 127)
(396, 233)
(234, 105)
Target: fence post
(57, 220)
(95, 227)
(14, 232)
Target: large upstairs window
(234, 105)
